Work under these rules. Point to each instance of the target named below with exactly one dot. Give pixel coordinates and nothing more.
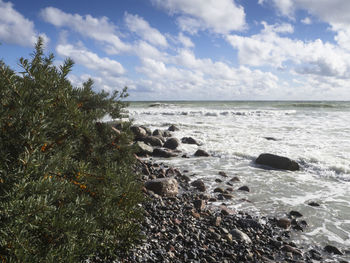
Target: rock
(173, 128)
(295, 214)
(163, 186)
(218, 190)
(244, 188)
(172, 143)
(148, 130)
(332, 250)
(199, 204)
(143, 149)
(234, 179)
(283, 223)
(226, 211)
(223, 174)
(139, 133)
(153, 141)
(313, 204)
(158, 152)
(158, 132)
(278, 162)
(288, 248)
(200, 153)
(240, 236)
(270, 138)
(227, 196)
(199, 184)
(189, 140)
(217, 221)
(218, 180)
(167, 134)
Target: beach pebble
(163, 186)
(284, 223)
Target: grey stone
(278, 162)
(172, 143)
(163, 186)
(240, 236)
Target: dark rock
(172, 143)
(244, 188)
(278, 162)
(226, 211)
(158, 152)
(223, 174)
(295, 214)
(163, 186)
(313, 204)
(148, 130)
(235, 179)
(153, 141)
(167, 134)
(218, 180)
(218, 190)
(199, 204)
(158, 132)
(173, 128)
(200, 153)
(143, 149)
(199, 184)
(227, 196)
(332, 250)
(270, 138)
(189, 140)
(283, 223)
(139, 133)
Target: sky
(190, 49)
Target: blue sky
(191, 49)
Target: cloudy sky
(191, 49)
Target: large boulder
(139, 133)
(199, 184)
(158, 152)
(163, 186)
(153, 141)
(189, 140)
(158, 132)
(148, 130)
(278, 162)
(200, 153)
(172, 143)
(143, 149)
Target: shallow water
(315, 134)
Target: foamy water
(315, 134)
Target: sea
(316, 134)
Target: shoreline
(187, 227)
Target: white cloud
(142, 28)
(89, 59)
(269, 48)
(185, 41)
(100, 29)
(219, 16)
(306, 21)
(15, 28)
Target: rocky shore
(185, 223)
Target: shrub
(67, 190)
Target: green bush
(67, 190)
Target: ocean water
(315, 134)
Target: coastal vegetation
(67, 189)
